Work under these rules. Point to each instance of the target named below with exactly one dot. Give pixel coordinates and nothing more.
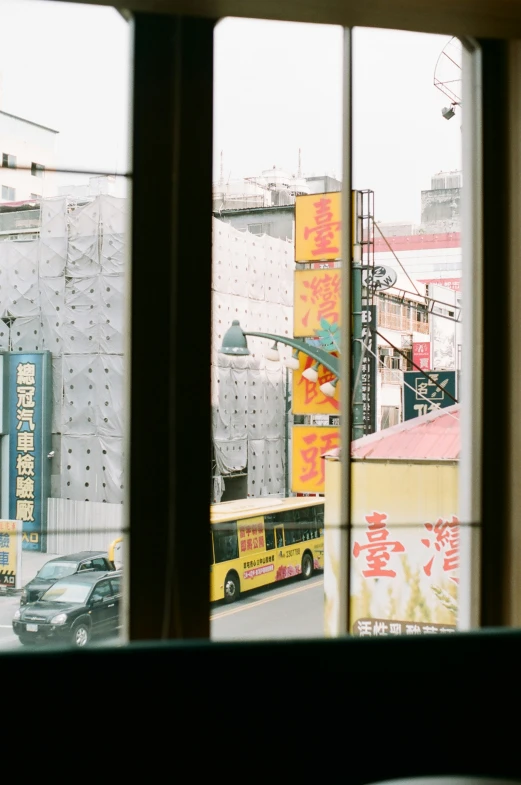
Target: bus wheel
(307, 566)
(232, 587)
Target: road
(292, 609)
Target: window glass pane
(277, 144)
(405, 545)
(74, 112)
(63, 274)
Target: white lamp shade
(292, 363)
(328, 389)
(310, 374)
(273, 355)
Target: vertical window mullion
(170, 328)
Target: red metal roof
(433, 437)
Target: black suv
(73, 610)
(62, 567)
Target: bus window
(225, 541)
(292, 532)
(279, 536)
(270, 536)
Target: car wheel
(26, 640)
(307, 566)
(80, 636)
(232, 587)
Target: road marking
(263, 602)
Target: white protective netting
(64, 292)
(252, 280)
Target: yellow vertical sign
(307, 397)
(10, 554)
(318, 223)
(309, 443)
(317, 296)
(318, 226)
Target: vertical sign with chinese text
(421, 354)
(317, 296)
(309, 443)
(307, 397)
(368, 370)
(318, 227)
(10, 554)
(29, 444)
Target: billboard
(421, 354)
(309, 443)
(317, 297)
(307, 397)
(318, 223)
(10, 554)
(425, 392)
(405, 548)
(30, 444)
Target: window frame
(168, 600)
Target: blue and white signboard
(29, 418)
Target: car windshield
(52, 571)
(67, 592)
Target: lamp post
(235, 344)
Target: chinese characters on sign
(421, 355)
(307, 397)
(422, 393)
(25, 436)
(377, 627)
(444, 539)
(29, 437)
(309, 443)
(10, 554)
(448, 283)
(368, 375)
(318, 227)
(251, 535)
(317, 296)
(378, 549)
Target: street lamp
(235, 344)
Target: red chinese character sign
(405, 545)
(309, 443)
(251, 536)
(318, 227)
(317, 300)
(307, 398)
(421, 355)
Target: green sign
(426, 392)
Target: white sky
(278, 88)
(67, 66)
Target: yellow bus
(254, 542)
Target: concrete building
(27, 152)
(266, 204)
(441, 205)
